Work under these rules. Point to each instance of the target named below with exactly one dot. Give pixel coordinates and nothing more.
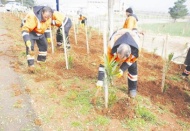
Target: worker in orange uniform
(123, 47)
(131, 23)
(58, 20)
(82, 20)
(36, 28)
(131, 20)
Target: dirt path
(16, 113)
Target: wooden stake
(52, 44)
(87, 45)
(165, 64)
(75, 31)
(105, 55)
(64, 43)
(106, 91)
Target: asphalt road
(16, 112)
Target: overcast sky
(154, 5)
(144, 5)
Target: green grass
(76, 124)
(145, 114)
(83, 98)
(54, 96)
(161, 108)
(175, 78)
(17, 105)
(185, 125)
(112, 98)
(78, 99)
(70, 82)
(145, 118)
(144, 101)
(101, 120)
(134, 124)
(151, 78)
(47, 116)
(70, 61)
(43, 92)
(22, 54)
(174, 29)
(166, 87)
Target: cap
(129, 10)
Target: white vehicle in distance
(15, 6)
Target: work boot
(31, 69)
(59, 44)
(132, 93)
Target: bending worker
(186, 71)
(124, 48)
(35, 24)
(57, 20)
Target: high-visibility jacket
(33, 23)
(82, 18)
(123, 36)
(58, 18)
(131, 22)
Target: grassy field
(174, 29)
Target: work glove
(49, 40)
(120, 74)
(29, 44)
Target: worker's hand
(49, 40)
(120, 74)
(99, 84)
(28, 44)
(53, 22)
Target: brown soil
(85, 66)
